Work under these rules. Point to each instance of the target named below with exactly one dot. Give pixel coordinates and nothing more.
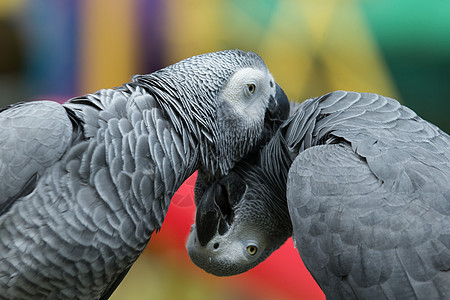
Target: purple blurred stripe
(151, 19)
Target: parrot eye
(251, 88)
(252, 250)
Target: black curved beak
(277, 112)
(279, 107)
(215, 209)
(207, 217)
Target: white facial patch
(248, 92)
(231, 247)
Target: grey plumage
(85, 184)
(367, 192)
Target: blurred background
(57, 49)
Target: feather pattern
(25, 152)
(370, 210)
(106, 165)
(366, 184)
(101, 213)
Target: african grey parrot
(84, 185)
(363, 184)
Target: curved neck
(192, 118)
(147, 156)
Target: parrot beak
(207, 215)
(277, 112)
(279, 107)
(214, 212)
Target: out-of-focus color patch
(108, 57)
(10, 7)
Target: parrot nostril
(216, 245)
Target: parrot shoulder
(33, 136)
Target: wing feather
(360, 238)
(33, 136)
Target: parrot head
(227, 100)
(242, 217)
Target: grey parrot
(360, 182)
(83, 185)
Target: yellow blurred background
(57, 49)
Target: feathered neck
(197, 115)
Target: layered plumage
(84, 185)
(368, 196)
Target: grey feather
(368, 195)
(83, 185)
(28, 144)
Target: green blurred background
(57, 49)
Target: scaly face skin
(241, 218)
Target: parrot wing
(33, 136)
(363, 238)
